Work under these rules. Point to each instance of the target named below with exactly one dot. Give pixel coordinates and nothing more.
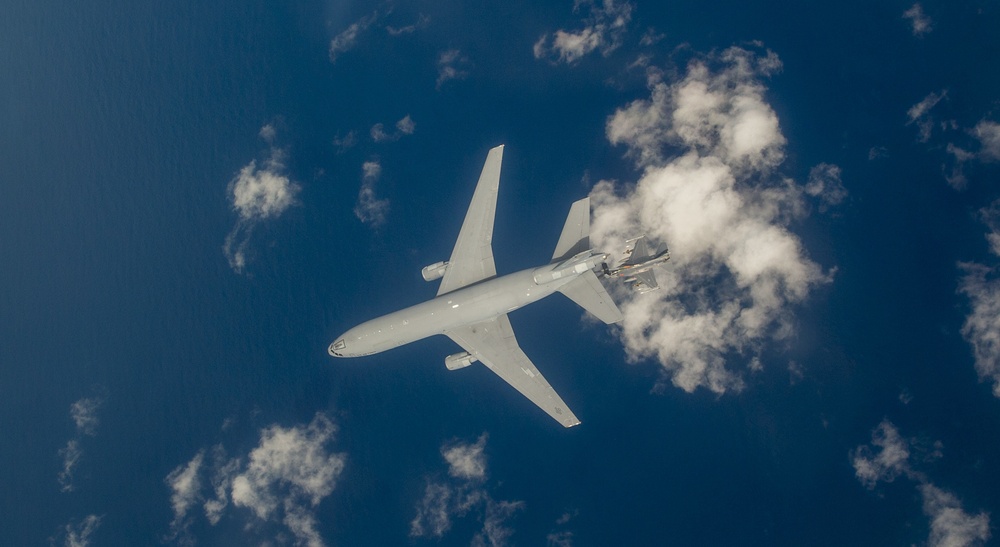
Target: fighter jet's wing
(640, 252)
(493, 343)
(648, 281)
(472, 258)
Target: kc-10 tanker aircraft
(472, 303)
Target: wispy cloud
(604, 28)
(257, 194)
(889, 456)
(421, 22)
(886, 458)
(78, 533)
(348, 38)
(824, 184)
(452, 65)
(736, 269)
(70, 455)
(981, 285)
(919, 21)
(284, 478)
(466, 491)
(988, 133)
(370, 209)
(84, 414)
(405, 126)
(919, 114)
(85, 417)
(185, 486)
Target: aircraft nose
(337, 348)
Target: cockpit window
(339, 344)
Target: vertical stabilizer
(575, 237)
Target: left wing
(492, 342)
(646, 281)
(472, 258)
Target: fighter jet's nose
(336, 349)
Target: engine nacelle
(434, 271)
(459, 360)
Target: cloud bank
(257, 194)
(708, 145)
(284, 478)
(604, 28)
(463, 493)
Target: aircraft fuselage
(471, 304)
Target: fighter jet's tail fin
(587, 291)
(575, 237)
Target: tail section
(575, 237)
(586, 290)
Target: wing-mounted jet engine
(637, 265)
(434, 271)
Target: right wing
(587, 291)
(472, 258)
(492, 342)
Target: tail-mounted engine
(459, 360)
(434, 271)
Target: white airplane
(472, 303)
(636, 268)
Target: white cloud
(84, 414)
(982, 326)
(919, 21)
(919, 114)
(71, 457)
(452, 65)
(405, 126)
(346, 40)
(285, 477)
(988, 133)
(604, 29)
(736, 270)
(370, 209)
(824, 183)
(877, 152)
(185, 485)
(466, 461)
(257, 194)
(950, 525)
(465, 492)
(495, 532)
(345, 142)
(78, 534)
(890, 458)
(422, 21)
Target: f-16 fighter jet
(637, 266)
(472, 303)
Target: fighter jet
(472, 302)
(636, 267)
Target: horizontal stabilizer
(575, 237)
(587, 291)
